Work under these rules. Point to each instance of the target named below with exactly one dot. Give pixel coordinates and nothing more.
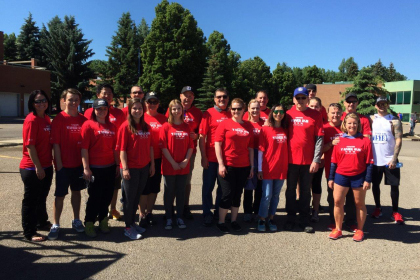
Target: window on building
(392, 97)
(407, 97)
(416, 97)
(400, 97)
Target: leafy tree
(366, 88)
(348, 69)
(284, 84)
(217, 71)
(298, 74)
(174, 52)
(123, 56)
(28, 41)
(311, 75)
(10, 47)
(254, 75)
(66, 51)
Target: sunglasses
(222, 96)
(237, 109)
(153, 102)
(382, 104)
(40, 101)
(352, 101)
(301, 98)
(278, 112)
(137, 92)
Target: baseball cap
(311, 86)
(300, 90)
(151, 95)
(381, 99)
(98, 103)
(187, 88)
(351, 94)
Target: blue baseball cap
(300, 90)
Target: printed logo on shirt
(350, 150)
(336, 136)
(241, 131)
(74, 128)
(47, 128)
(256, 131)
(143, 135)
(155, 125)
(106, 132)
(221, 119)
(179, 134)
(187, 119)
(280, 138)
(263, 118)
(112, 120)
(299, 121)
(380, 138)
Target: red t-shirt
(65, 131)
(36, 131)
(273, 144)
(330, 133)
(100, 140)
(192, 117)
(324, 114)
(256, 132)
(263, 114)
(155, 123)
(125, 111)
(211, 120)
(175, 138)
(352, 155)
(236, 138)
(365, 123)
(136, 145)
(304, 127)
(116, 116)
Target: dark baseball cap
(311, 86)
(351, 94)
(300, 90)
(98, 103)
(151, 95)
(382, 99)
(187, 88)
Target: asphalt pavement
(390, 251)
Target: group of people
(245, 149)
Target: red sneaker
(335, 234)
(358, 236)
(377, 213)
(397, 217)
(331, 226)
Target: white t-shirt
(383, 141)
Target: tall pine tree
(28, 41)
(10, 47)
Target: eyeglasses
(40, 101)
(301, 98)
(278, 112)
(222, 96)
(382, 104)
(153, 102)
(352, 101)
(137, 92)
(237, 109)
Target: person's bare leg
(361, 212)
(222, 215)
(151, 200)
(316, 201)
(339, 197)
(234, 213)
(143, 205)
(114, 200)
(76, 199)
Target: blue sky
(298, 32)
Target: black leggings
(395, 194)
(249, 206)
(232, 186)
(316, 181)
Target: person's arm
(251, 162)
(219, 156)
(57, 156)
(317, 155)
(368, 177)
(331, 144)
(184, 163)
(202, 144)
(398, 132)
(171, 160)
(124, 163)
(260, 157)
(33, 154)
(87, 173)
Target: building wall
(331, 93)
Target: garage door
(25, 103)
(9, 104)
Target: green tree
(10, 47)
(142, 32)
(348, 69)
(174, 52)
(28, 41)
(311, 75)
(298, 74)
(366, 88)
(217, 70)
(66, 51)
(284, 84)
(379, 71)
(254, 75)
(123, 56)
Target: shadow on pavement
(11, 120)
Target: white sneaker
(138, 228)
(132, 233)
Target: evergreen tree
(174, 52)
(142, 32)
(284, 84)
(28, 41)
(217, 71)
(123, 56)
(10, 47)
(66, 52)
(348, 69)
(311, 75)
(367, 90)
(232, 76)
(379, 71)
(298, 74)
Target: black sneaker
(143, 222)
(187, 213)
(223, 228)
(236, 226)
(289, 226)
(149, 219)
(208, 220)
(307, 228)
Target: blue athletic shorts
(355, 181)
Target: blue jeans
(270, 197)
(209, 178)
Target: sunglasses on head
(40, 101)
(237, 109)
(222, 96)
(301, 98)
(155, 102)
(278, 112)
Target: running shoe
(306, 228)
(377, 213)
(150, 220)
(53, 235)
(77, 225)
(103, 226)
(315, 217)
(247, 218)
(90, 230)
(138, 228)
(132, 233)
(358, 236)
(335, 234)
(168, 225)
(261, 226)
(223, 227)
(397, 217)
(236, 226)
(271, 225)
(181, 223)
(115, 215)
(187, 213)
(208, 220)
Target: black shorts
(69, 177)
(153, 183)
(392, 176)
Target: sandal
(38, 238)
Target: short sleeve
(163, 137)
(220, 133)
(319, 126)
(334, 155)
(85, 135)
(204, 124)
(262, 141)
(31, 133)
(366, 126)
(369, 154)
